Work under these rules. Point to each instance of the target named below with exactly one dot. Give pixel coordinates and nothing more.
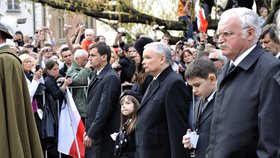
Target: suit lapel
(152, 89)
(97, 78)
(206, 112)
(155, 87)
(245, 64)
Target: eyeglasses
(214, 59)
(227, 34)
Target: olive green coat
(79, 78)
(18, 133)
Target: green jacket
(79, 78)
(19, 136)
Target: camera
(68, 26)
(157, 27)
(122, 30)
(68, 76)
(37, 67)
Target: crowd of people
(197, 98)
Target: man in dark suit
(269, 39)
(163, 115)
(246, 114)
(103, 109)
(202, 76)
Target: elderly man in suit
(246, 111)
(103, 109)
(163, 115)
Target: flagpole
(76, 142)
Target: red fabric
(85, 44)
(203, 23)
(79, 136)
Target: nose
(143, 62)
(194, 90)
(264, 45)
(220, 39)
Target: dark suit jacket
(162, 118)
(246, 114)
(103, 111)
(203, 128)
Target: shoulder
(267, 62)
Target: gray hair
(161, 49)
(220, 55)
(79, 52)
(247, 17)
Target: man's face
(96, 59)
(231, 37)
(131, 52)
(48, 52)
(81, 61)
(165, 40)
(202, 87)
(67, 57)
(217, 62)
(152, 62)
(268, 44)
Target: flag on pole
(71, 129)
(202, 23)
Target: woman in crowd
(33, 79)
(141, 79)
(55, 90)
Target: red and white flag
(71, 129)
(202, 23)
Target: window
(13, 4)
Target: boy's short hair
(200, 68)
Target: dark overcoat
(246, 110)
(163, 118)
(103, 112)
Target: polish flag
(202, 23)
(71, 129)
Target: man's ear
(212, 78)
(162, 59)
(104, 57)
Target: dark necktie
(230, 68)
(148, 89)
(203, 105)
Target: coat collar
(7, 49)
(245, 64)
(99, 77)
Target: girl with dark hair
(125, 142)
